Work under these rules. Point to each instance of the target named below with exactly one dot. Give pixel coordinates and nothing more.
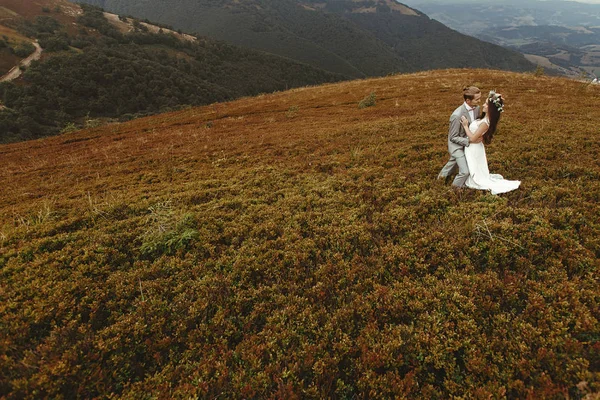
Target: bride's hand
(464, 121)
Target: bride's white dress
(479, 174)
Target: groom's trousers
(463, 170)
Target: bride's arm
(474, 137)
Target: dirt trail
(16, 71)
(113, 18)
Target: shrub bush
(368, 101)
(23, 49)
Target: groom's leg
(463, 172)
(448, 168)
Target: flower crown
(496, 99)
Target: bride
(479, 174)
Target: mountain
(488, 14)
(563, 36)
(294, 245)
(569, 50)
(357, 38)
(96, 68)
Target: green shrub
(166, 235)
(292, 111)
(69, 127)
(539, 71)
(23, 49)
(54, 43)
(368, 101)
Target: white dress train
(479, 173)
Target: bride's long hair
(494, 117)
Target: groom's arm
(454, 133)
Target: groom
(458, 139)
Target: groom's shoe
(445, 178)
(458, 189)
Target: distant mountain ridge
(564, 49)
(356, 38)
(562, 36)
(486, 15)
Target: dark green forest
(334, 35)
(111, 75)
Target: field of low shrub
(294, 245)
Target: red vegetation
(295, 246)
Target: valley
(557, 34)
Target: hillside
(356, 38)
(96, 68)
(293, 245)
(13, 48)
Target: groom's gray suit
(457, 141)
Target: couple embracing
(470, 127)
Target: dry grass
(11, 34)
(410, 120)
(294, 244)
